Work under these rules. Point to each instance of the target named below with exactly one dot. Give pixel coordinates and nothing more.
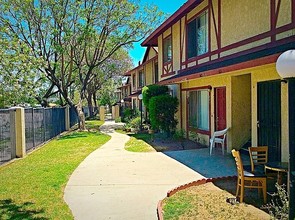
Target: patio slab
(216, 165)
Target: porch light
(285, 66)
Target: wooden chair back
(258, 156)
(239, 164)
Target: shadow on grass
(13, 211)
(252, 196)
(161, 143)
(72, 136)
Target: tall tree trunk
(90, 106)
(81, 116)
(94, 99)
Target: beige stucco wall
(176, 46)
(284, 17)
(237, 22)
(148, 70)
(241, 110)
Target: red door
(220, 108)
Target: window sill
(199, 131)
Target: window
(167, 50)
(141, 78)
(197, 36)
(199, 109)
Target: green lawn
(137, 142)
(32, 188)
(137, 145)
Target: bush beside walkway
(32, 188)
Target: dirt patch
(208, 202)
(162, 143)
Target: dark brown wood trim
(163, 70)
(277, 12)
(210, 111)
(196, 130)
(166, 65)
(185, 38)
(198, 88)
(187, 105)
(219, 27)
(209, 26)
(193, 18)
(198, 14)
(168, 74)
(150, 60)
(180, 43)
(240, 66)
(293, 11)
(180, 105)
(272, 19)
(248, 41)
(215, 25)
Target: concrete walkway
(112, 183)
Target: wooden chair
(218, 138)
(258, 158)
(247, 179)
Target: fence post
(113, 112)
(101, 113)
(117, 107)
(17, 132)
(67, 118)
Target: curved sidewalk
(112, 183)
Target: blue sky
(167, 6)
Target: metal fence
(42, 124)
(87, 110)
(5, 142)
(73, 117)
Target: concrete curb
(185, 186)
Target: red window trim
(163, 39)
(197, 130)
(186, 37)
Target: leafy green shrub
(136, 123)
(151, 91)
(179, 135)
(162, 111)
(118, 120)
(129, 114)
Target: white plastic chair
(218, 138)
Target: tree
(162, 113)
(113, 68)
(20, 80)
(151, 91)
(74, 38)
(106, 95)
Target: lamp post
(140, 100)
(286, 68)
(122, 103)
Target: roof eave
(151, 40)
